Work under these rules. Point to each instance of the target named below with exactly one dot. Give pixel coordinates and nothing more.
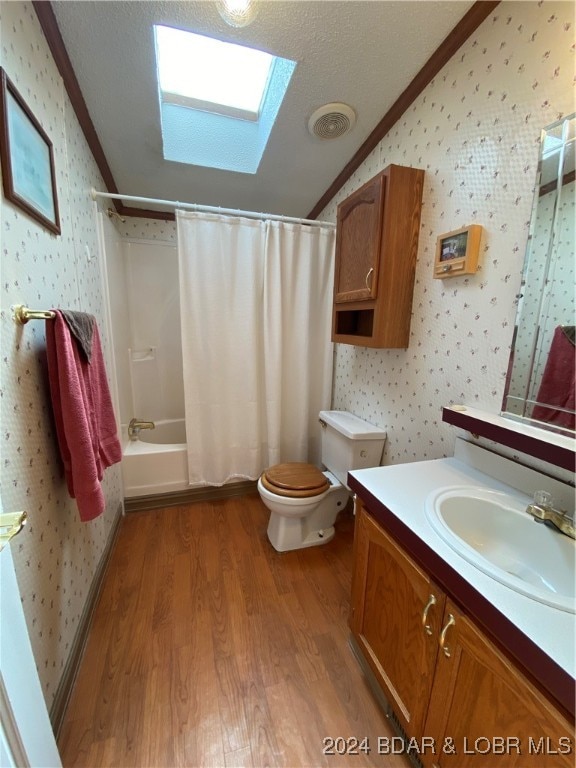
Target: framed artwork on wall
(27, 158)
(457, 252)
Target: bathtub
(157, 462)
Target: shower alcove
(147, 380)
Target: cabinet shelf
(355, 322)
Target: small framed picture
(27, 159)
(457, 252)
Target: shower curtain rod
(212, 209)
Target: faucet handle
(543, 499)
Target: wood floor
(208, 649)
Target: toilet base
(289, 532)
(286, 534)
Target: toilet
(304, 500)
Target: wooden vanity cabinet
(477, 695)
(395, 619)
(442, 676)
(376, 247)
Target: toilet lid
(295, 479)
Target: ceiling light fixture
(237, 13)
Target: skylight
(218, 101)
(213, 75)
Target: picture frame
(27, 158)
(457, 252)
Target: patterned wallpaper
(475, 130)
(55, 555)
(148, 229)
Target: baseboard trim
(58, 708)
(190, 495)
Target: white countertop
(403, 489)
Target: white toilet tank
(349, 443)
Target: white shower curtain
(255, 303)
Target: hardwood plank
(362, 736)
(292, 749)
(274, 646)
(308, 659)
(307, 711)
(104, 753)
(338, 661)
(125, 567)
(76, 742)
(312, 607)
(334, 598)
(128, 724)
(261, 727)
(231, 692)
(183, 615)
(241, 758)
(221, 627)
(209, 648)
(242, 628)
(162, 694)
(196, 727)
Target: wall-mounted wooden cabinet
(376, 247)
(442, 676)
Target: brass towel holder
(22, 314)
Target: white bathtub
(157, 462)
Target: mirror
(540, 380)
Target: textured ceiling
(362, 53)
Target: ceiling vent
(332, 121)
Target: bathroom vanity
(476, 672)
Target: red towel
(558, 383)
(85, 422)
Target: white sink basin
(493, 531)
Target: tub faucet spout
(136, 425)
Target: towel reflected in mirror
(558, 383)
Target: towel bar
(22, 314)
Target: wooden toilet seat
(295, 479)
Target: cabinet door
(359, 232)
(396, 613)
(483, 707)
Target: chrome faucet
(136, 425)
(542, 511)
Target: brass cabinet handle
(368, 276)
(450, 623)
(429, 604)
